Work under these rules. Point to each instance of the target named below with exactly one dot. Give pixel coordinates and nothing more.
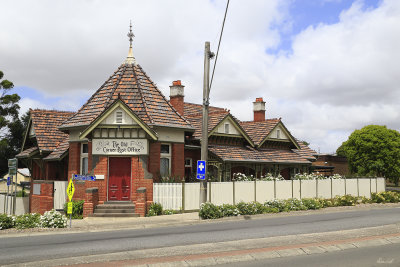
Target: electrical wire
(219, 43)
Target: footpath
(220, 252)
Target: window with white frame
(165, 160)
(278, 134)
(84, 158)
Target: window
(118, 117)
(165, 160)
(278, 134)
(227, 128)
(84, 159)
(188, 162)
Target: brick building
(129, 135)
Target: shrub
(155, 209)
(209, 211)
(271, 210)
(6, 221)
(294, 204)
(77, 209)
(278, 204)
(229, 210)
(312, 203)
(385, 197)
(170, 212)
(347, 200)
(29, 220)
(53, 219)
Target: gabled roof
(259, 130)
(119, 103)
(194, 114)
(139, 93)
(305, 151)
(46, 123)
(27, 153)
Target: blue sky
(326, 67)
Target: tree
(373, 150)
(11, 127)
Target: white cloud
(339, 77)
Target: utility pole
(204, 130)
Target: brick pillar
(141, 202)
(44, 201)
(91, 201)
(154, 160)
(74, 159)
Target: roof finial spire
(130, 59)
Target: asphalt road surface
(387, 255)
(42, 247)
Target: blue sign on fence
(84, 177)
(8, 181)
(201, 169)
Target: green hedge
(77, 209)
(212, 211)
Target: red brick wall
(74, 159)
(178, 160)
(100, 169)
(177, 103)
(44, 201)
(138, 180)
(195, 155)
(259, 115)
(154, 160)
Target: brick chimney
(176, 96)
(259, 109)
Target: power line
(219, 43)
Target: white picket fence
(185, 196)
(22, 205)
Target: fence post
(345, 185)
(233, 193)
(300, 187)
(358, 187)
(255, 189)
(376, 185)
(370, 187)
(316, 188)
(274, 188)
(331, 188)
(292, 189)
(183, 195)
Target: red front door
(119, 183)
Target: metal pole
(204, 133)
(12, 195)
(16, 189)
(6, 201)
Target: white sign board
(120, 147)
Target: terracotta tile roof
(194, 114)
(259, 130)
(194, 110)
(28, 152)
(233, 153)
(138, 92)
(46, 123)
(305, 151)
(59, 151)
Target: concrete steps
(115, 209)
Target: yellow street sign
(69, 210)
(70, 190)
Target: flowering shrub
(270, 177)
(229, 210)
(155, 209)
(314, 176)
(6, 221)
(53, 219)
(242, 177)
(170, 212)
(385, 197)
(312, 203)
(29, 220)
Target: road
(387, 255)
(42, 247)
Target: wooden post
(274, 188)
(183, 195)
(331, 187)
(255, 189)
(300, 188)
(316, 188)
(292, 189)
(209, 193)
(358, 187)
(233, 193)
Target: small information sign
(84, 177)
(70, 190)
(69, 209)
(12, 163)
(201, 169)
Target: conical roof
(135, 88)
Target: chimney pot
(259, 109)
(176, 96)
